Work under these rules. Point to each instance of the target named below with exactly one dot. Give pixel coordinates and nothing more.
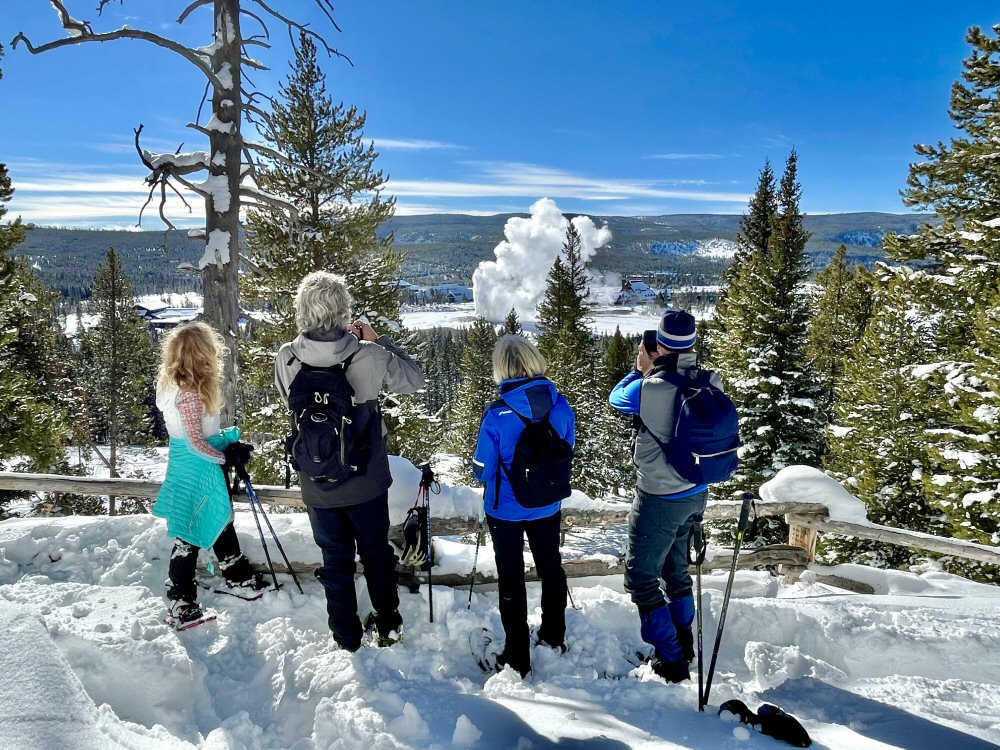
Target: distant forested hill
(449, 246)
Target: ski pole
(260, 533)
(699, 547)
(254, 499)
(475, 557)
(741, 527)
(426, 480)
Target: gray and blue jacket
(652, 400)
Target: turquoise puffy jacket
(194, 498)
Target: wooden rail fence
(805, 519)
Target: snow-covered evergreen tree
(737, 308)
(841, 311)
(573, 364)
(33, 424)
(953, 294)
(885, 406)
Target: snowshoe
(483, 645)
(538, 639)
(770, 720)
(373, 636)
(774, 722)
(186, 615)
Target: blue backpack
(703, 447)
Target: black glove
(237, 457)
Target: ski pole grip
(745, 511)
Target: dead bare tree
(228, 167)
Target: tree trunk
(220, 284)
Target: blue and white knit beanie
(677, 330)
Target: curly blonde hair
(192, 358)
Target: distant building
(638, 292)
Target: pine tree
(511, 324)
(33, 426)
(619, 359)
(330, 176)
(573, 363)
(477, 390)
(760, 347)
(883, 413)
(952, 295)
(738, 306)
(117, 364)
(841, 313)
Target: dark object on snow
(772, 720)
(741, 528)
(782, 726)
(739, 708)
(671, 671)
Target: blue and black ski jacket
(532, 398)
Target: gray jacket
(376, 366)
(656, 410)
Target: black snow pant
(342, 533)
(184, 557)
(508, 548)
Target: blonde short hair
(322, 303)
(516, 357)
(192, 359)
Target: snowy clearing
(89, 663)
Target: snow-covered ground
(87, 661)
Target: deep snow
(87, 661)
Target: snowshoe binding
(186, 615)
(483, 645)
(373, 636)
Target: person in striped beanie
(666, 507)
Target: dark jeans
(659, 530)
(508, 548)
(341, 533)
(184, 558)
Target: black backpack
(540, 469)
(706, 438)
(325, 444)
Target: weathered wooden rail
(805, 520)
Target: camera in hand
(649, 341)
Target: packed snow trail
(82, 599)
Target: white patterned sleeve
(192, 410)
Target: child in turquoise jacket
(194, 498)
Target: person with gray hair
(350, 516)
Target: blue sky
(610, 108)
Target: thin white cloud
(413, 144)
(509, 179)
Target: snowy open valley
(88, 662)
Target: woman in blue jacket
(525, 395)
